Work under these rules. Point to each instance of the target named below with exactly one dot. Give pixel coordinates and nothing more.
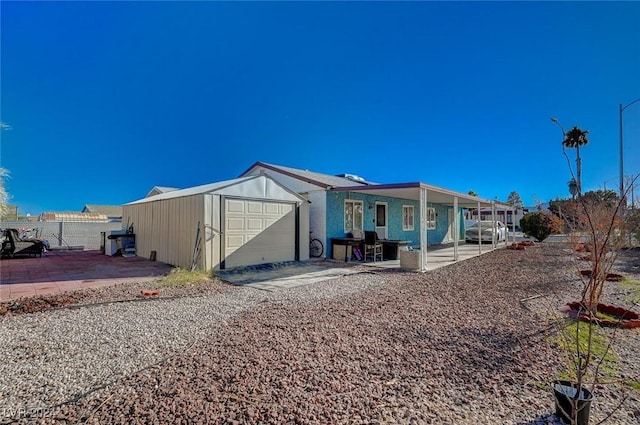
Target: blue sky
(107, 99)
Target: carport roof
(412, 190)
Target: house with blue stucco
(418, 214)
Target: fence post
(60, 232)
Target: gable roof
(155, 190)
(409, 190)
(263, 186)
(108, 210)
(319, 179)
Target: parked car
(489, 232)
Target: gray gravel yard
(452, 346)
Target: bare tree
(598, 229)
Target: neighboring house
(73, 216)
(509, 217)
(416, 212)
(156, 190)
(112, 212)
(233, 223)
(540, 207)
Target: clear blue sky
(108, 99)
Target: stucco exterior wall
(335, 218)
(436, 236)
(317, 217)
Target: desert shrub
(178, 276)
(541, 225)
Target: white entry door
(382, 228)
(258, 232)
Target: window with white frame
(352, 215)
(407, 217)
(431, 218)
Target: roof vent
(353, 177)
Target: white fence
(66, 233)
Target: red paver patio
(60, 271)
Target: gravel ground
(452, 346)
(115, 293)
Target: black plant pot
(564, 392)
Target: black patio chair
(372, 246)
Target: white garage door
(257, 232)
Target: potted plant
(573, 402)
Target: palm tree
(573, 188)
(575, 138)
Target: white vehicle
(489, 232)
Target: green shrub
(541, 225)
(178, 276)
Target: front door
(381, 220)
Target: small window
(431, 218)
(381, 215)
(407, 217)
(352, 215)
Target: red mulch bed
(624, 318)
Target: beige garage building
(245, 221)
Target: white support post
(423, 229)
(479, 231)
(493, 223)
(513, 224)
(456, 228)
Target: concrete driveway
(272, 277)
